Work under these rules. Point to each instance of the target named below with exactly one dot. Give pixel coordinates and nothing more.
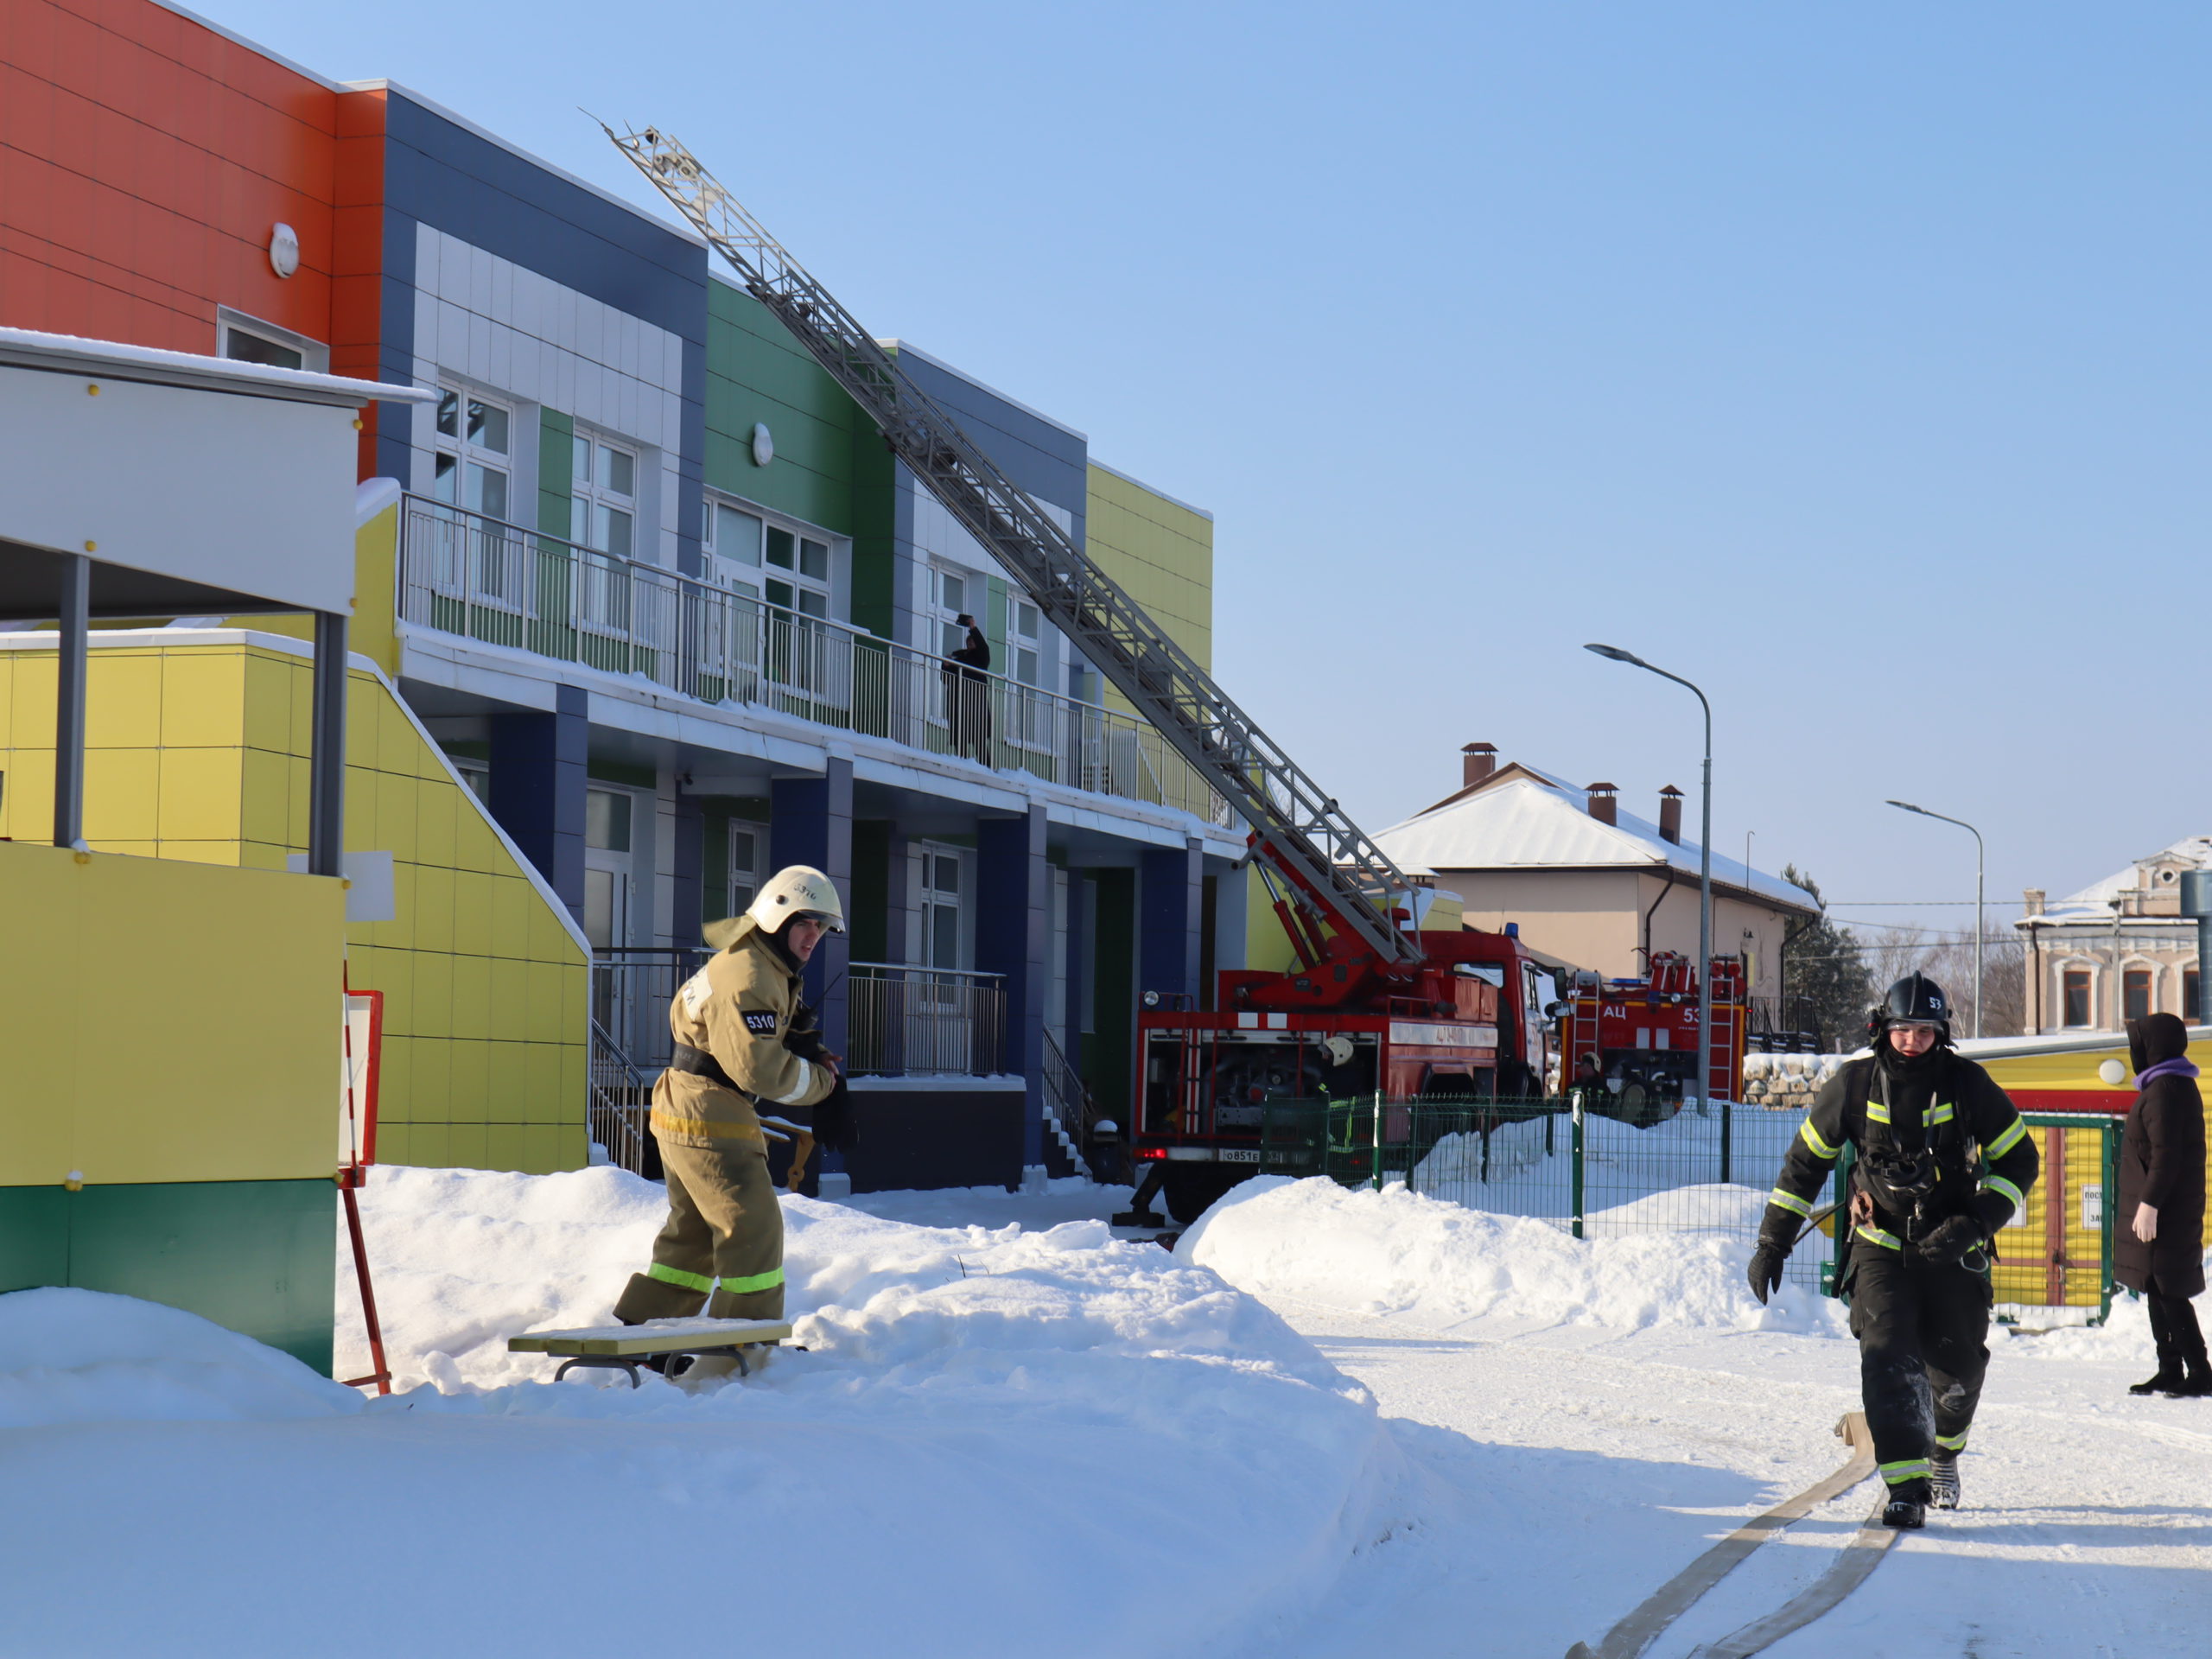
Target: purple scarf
(2180, 1066)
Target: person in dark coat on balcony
(2158, 1245)
(967, 693)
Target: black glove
(803, 1036)
(1953, 1241)
(833, 1130)
(1766, 1269)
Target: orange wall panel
(144, 160)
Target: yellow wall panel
(30, 712)
(429, 1098)
(391, 804)
(510, 988)
(472, 913)
(434, 903)
(465, 1146)
(201, 794)
(122, 794)
(266, 798)
(431, 1014)
(212, 1077)
(268, 702)
(123, 700)
(435, 809)
(511, 905)
(26, 802)
(203, 698)
(228, 785)
(471, 1099)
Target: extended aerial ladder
(1334, 871)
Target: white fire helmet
(796, 889)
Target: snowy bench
(625, 1347)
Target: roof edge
(895, 345)
(675, 227)
(1150, 489)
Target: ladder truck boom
(1332, 865)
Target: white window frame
(944, 635)
(1025, 641)
(738, 568)
(593, 501)
(618, 865)
(314, 354)
(930, 902)
(746, 874)
(465, 452)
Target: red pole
(382, 1375)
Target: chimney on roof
(2032, 900)
(1477, 762)
(1670, 815)
(1602, 803)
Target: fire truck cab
(1474, 1024)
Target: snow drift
(82, 1356)
(1397, 1252)
(999, 1442)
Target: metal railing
(621, 1101)
(907, 1021)
(900, 1021)
(467, 574)
(1599, 1177)
(631, 989)
(1068, 1103)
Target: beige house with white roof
(2119, 949)
(1589, 884)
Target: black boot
(2170, 1376)
(1908, 1505)
(2193, 1384)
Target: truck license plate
(1239, 1155)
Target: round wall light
(283, 250)
(763, 444)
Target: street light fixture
(1703, 894)
(1907, 806)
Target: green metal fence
(1691, 1172)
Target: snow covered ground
(1578, 1440)
(1330, 1422)
(1000, 1441)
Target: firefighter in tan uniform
(734, 1080)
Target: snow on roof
(74, 354)
(1523, 823)
(2097, 899)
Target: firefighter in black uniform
(1941, 1161)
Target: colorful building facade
(656, 593)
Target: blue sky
(1848, 361)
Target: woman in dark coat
(2158, 1237)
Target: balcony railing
(482, 578)
(900, 1021)
(924, 1021)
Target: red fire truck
(1643, 1032)
(1469, 1018)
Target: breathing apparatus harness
(1914, 1176)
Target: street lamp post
(1704, 896)
(1907, 806)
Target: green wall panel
(556, 468)
(830, 467)
(258, 1256)
(34, 1237)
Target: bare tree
(1893, 952)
